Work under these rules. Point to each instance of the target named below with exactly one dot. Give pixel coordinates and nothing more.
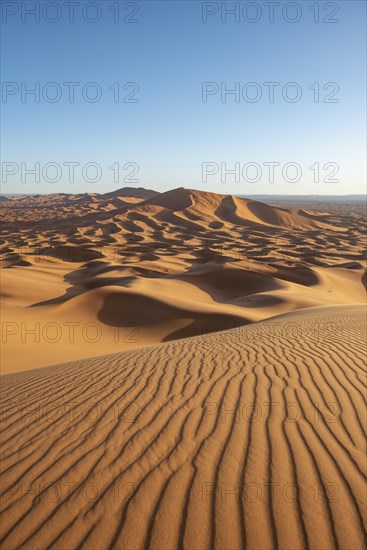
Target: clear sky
(168, 129)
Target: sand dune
(134, 267)
(252, 437)
(77, 312)
(198, 205)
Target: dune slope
(252, 437)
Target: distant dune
(227, 209)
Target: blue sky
(165, 137)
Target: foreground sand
(249, 438)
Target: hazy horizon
(249, 195)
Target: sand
(90, 274)
(182, 370)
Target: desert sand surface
(247, 438)
(182, 370)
